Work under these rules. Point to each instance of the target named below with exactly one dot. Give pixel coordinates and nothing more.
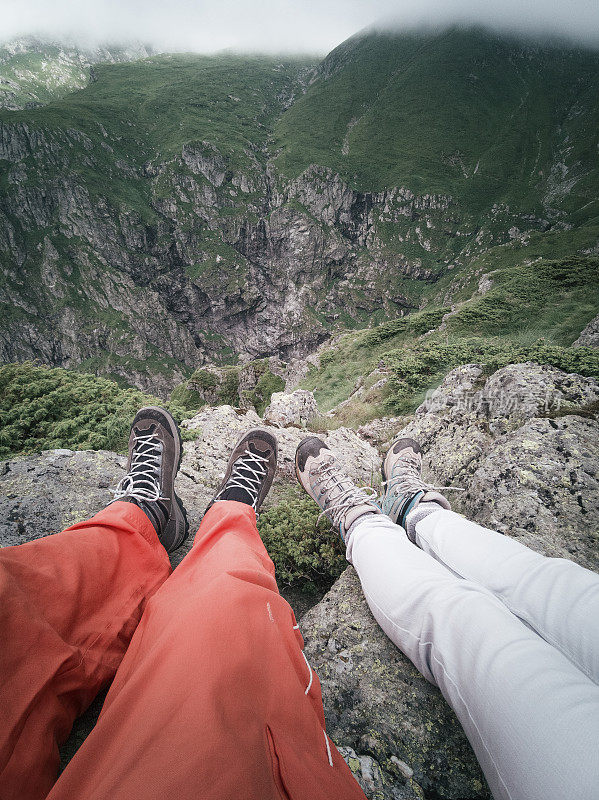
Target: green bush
(308, 555)
(260, 395)
(43, 408)
(186, 398)
(228, 392)
(204, 379)
(414, 370)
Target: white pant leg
(532, 717)
(556, 597)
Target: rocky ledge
(522, 443)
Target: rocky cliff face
(231, 262)
(522, 443)
(148, 225)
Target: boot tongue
(236, 492)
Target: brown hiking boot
(321, 475)
(250, 471)
(155, 452)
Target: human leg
(69, 604)
(554, 596)
(214, 698)
(531, 716)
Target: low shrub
(414, 370)
(414, 324)
(268, 383)
(308, 555)
(43, 408)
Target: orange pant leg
(69, 604)
(214, 699)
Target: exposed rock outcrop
(517, 443)
(523, 444)
(590, 335)
(296, 408)
(219, 259)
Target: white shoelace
(257, 468)
(410, 480)
(143, 479)
(345, 495)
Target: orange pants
(212, 697)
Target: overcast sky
(313, 26)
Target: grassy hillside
(461, 112)
(147, 110)
(531, 312)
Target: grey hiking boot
(250, 470)
(321, 475)
(402, 479)
(154, 458)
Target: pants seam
(539, 629)
(448, 677)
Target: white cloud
(314, 26)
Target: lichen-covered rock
(46, 493)
(524, 447)
(296, 408)
(382, 432)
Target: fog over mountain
(312, 26)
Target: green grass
(533, 312)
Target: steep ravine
(87, 282)
(146, 230)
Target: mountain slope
(456, 112)
(34, 72)
(184, 209)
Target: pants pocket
(276, 767)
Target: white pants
(510, 637)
